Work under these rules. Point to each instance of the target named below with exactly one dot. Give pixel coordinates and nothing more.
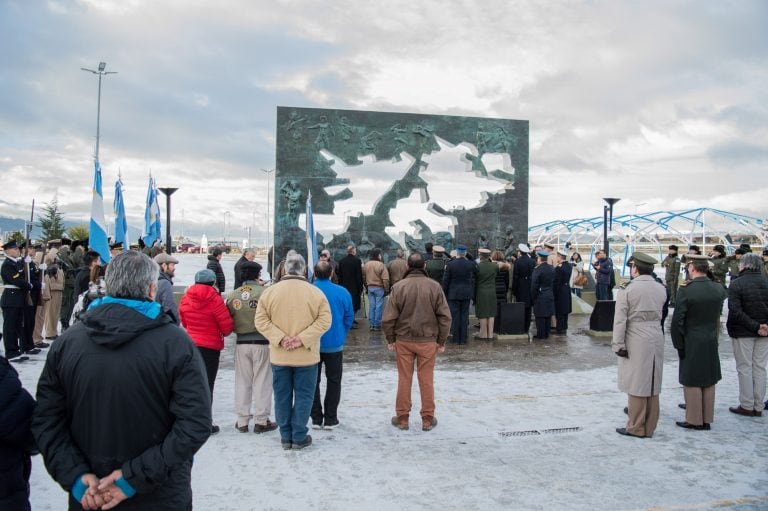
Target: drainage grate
(538, 432)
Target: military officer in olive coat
(695, 326)
(720, 264)
(671, 265)
(638, 341)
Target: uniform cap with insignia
(10, 244)
(643, 259)
(165, 258)
(116, 246)
(549, 245)
(522, 247)
(484, 251)
(460, 250)
(562, 253)
(439, 249)
(542, 253)
(719, 248)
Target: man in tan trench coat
(638, 341)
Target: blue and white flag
(152, 227)
(121, 224)
(98, 227)
(311, 241)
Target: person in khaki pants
(253, 372)
(416, 322)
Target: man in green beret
(695, 326)
(638, 341)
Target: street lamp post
(168, 192)
(100, 72)
(607, 221)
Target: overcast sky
(657, 102)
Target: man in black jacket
(459, 287)
(123, 397)
(351, 277)
(748, 327)
(16, 440)
(521, 281)
(214, 265)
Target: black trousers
(528, 316)
(543, 324)
(27, 340)
(13, 326)
(459, 321)
(211, 361)
(562, 323)
(333, 368)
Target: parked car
(185, 247)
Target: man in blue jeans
(331, 347)
(292, 315)
(603, 269)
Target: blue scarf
(149, 309)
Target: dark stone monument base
(601, 319)
(510, 319)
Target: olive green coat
(720, 269)
(485, 289)
(695, 328)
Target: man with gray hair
(397, 267)
(292, 315)
(748, 327)
(141, 439)
(249, 254)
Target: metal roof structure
(652, 232)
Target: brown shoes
(738, 410)
(264, 428)
(400, 422)
(428, 423)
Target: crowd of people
(129, 338)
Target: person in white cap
(521, 281)
(562, 292)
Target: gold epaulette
(624, 285)
(685, 283)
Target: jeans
(375, 305)
(577, 291)
(333, 368)
(294, 390)
(601, 291)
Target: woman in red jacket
(206, 318)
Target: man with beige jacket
(293, 315)
(416, 323)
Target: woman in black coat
(16, 442)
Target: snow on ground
(490, 450)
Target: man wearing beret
(638, 341)
(695, 326)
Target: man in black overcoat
(351, 277)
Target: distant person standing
(416, 322)
(436, 266)
(53, 278)
(694, 329)
(165, 296)
(542, 295)
(253, 372)
(603, 271)
(249, 254)
(376, 281)
(214, 264)
(293, 315)
(522, 272)
(397, 267)
(207, 321)
(720, 264)
(562, 292)
(13, 301)
(325, 255)
(578, 269)
(671, 265)
(351, 277)
(485, 294)
(459, 288)
(748, 327)
(638, 340)
(325, 412)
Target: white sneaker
(317, 426)
(331, 426)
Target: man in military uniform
(521, 281)
(35, 295)
(720, 264)
(695, 326)
(13, 302)
(542, 296)
(671, 265)
(435, 267)
(67, 263)
(459, 287)
(638, 339)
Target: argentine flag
(152, 228)
(121, 224)
(98, 231)
(311, 241)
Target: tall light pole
(607, 221)
(168, 241)
(100, 72)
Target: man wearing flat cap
(695, 326)
(13, 302)
(164, 295)
(638, 341)
(671, 265)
